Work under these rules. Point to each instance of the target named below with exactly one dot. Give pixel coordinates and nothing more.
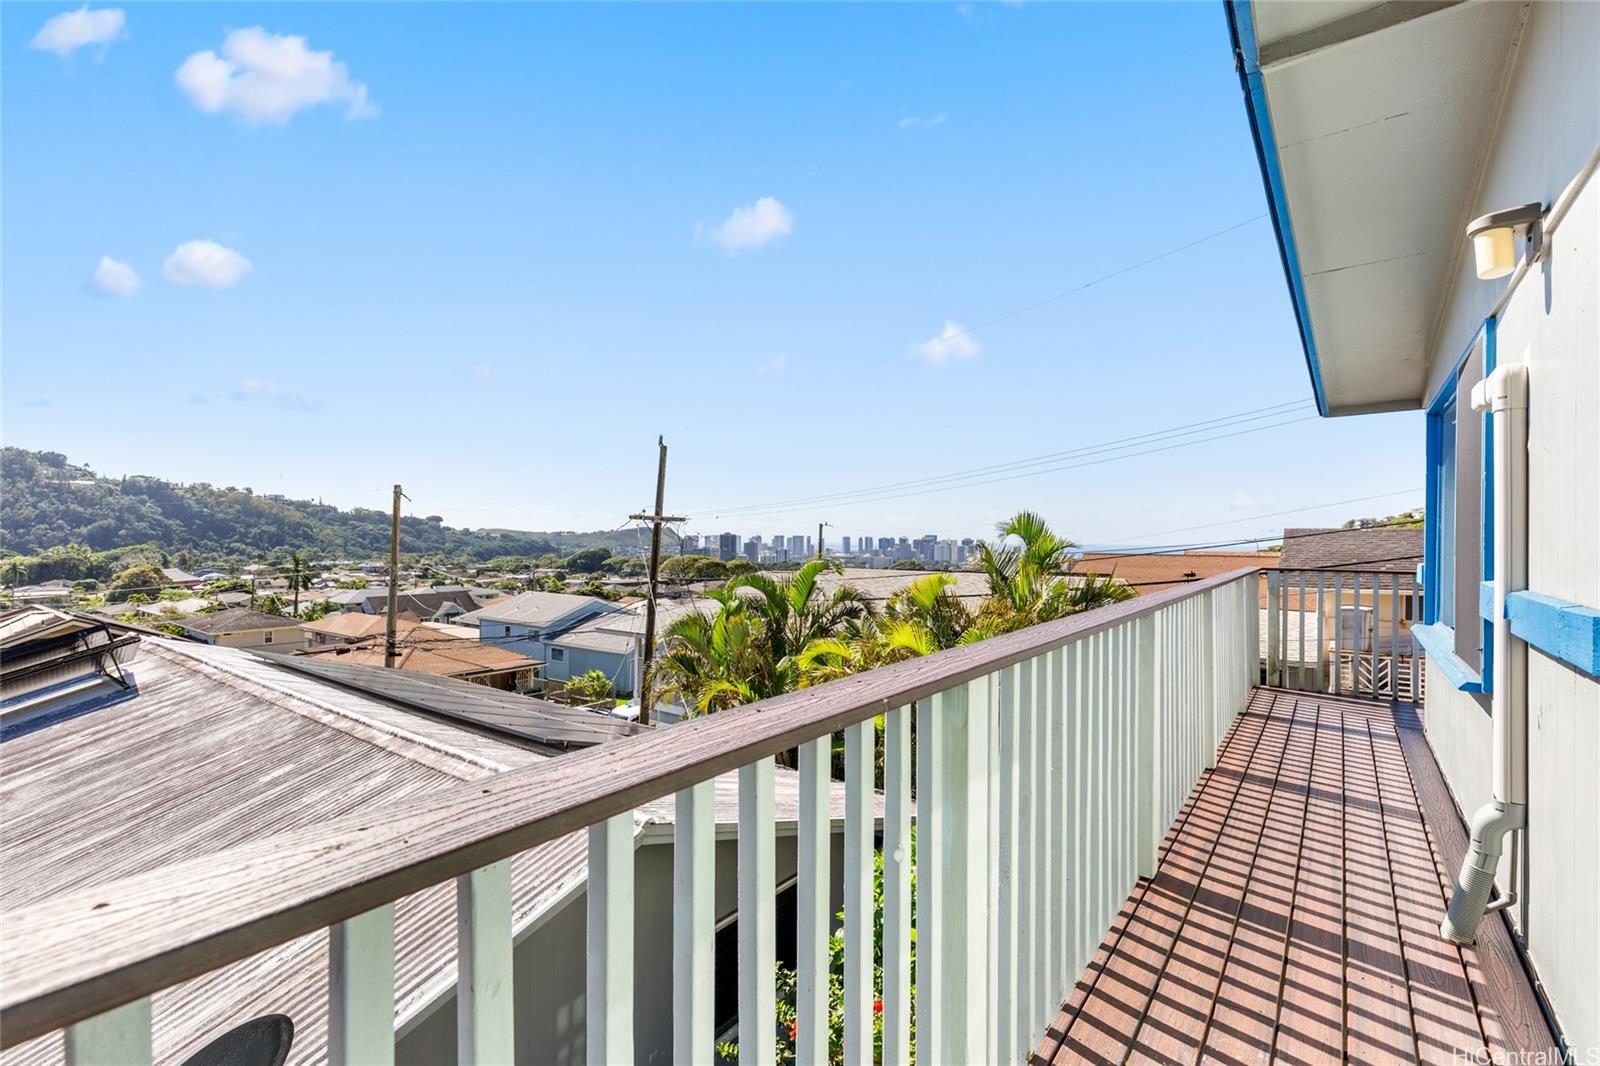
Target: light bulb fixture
(1494, 238)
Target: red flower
(877, 1006)
(794, 1029)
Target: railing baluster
(813, 856)
(1338, 633)
(1007, 789)
(1074, 810)
(609, 1000)
(897, 887)
(1208, 680)
(1394, 638)
(1372, 649)
(758, 926)
(1043, 929)
(953, 883)
(1026, 870)
(859, 917)
(361, 989)
(119, 1037)
(1321, 682)
(1057, 799)
(484, 1025)
(1301, 682)
(1274, 583)
(694, 874)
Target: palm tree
(16, 572)
(750, 648)
(297, 578)
(1031, 578)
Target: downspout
(1505, 394)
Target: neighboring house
(528, 622)
(443, 603)
(1431, 176)
(1151, 573)
(50, 592)
(423, 649)
(348, 627)
(611, 642)
(240, 627)
(162, 608)
(307, 741)
(182, 577)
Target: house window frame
(1438, 637)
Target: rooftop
(236, 620)
(1390, 551)
(532, 609)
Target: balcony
(1128, 851)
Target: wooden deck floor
(1294, 915)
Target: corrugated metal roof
(532, 609)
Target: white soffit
(1381, 114)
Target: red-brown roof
(428, 651)
(1151, 573)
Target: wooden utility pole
(390, 649)
(820, 525)
(656, 521)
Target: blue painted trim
(1241, 28)
(1486, 601)
(1439, 642)
(1430, 537)
(1559, 628)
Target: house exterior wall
(617, 667)
(550, 972)
(284, 638)
(1550, 124)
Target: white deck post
(119, 1037)
(693, 925)
(813, 854)
(361, 989)
(484, 1004)
(897, 887)
(758, 950)
(859, 911)
(609, 999)
(1208, 678)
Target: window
(1458, 550)
(269, 637)
(506, 631)
(558, 655)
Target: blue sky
(491, 251)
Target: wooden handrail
(73, 956)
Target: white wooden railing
(1347, 632)
(1048, 765)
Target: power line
(1036, 473)
(1276, 514)
(1188, 429)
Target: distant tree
(299, 577)
(741, 566)
(135, 579)
(353, 583)
(681, 568)
(907, 564)
(16, 572)
(551, 583)
(616, 564)
(591, 685)
(270, 603)
(587, 561)
(319, 609)
(227, 584)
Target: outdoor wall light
(1494, 238)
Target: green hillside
(50, 502)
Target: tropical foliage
(769, 635)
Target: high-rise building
(886, 544)
(728, 547)
(752, 549)
(844, 544)
(799, 547)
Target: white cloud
(754, 225)
(71, 30)
(115, 277)
(953, 342)
(267, 77)
(774, 366)
(204, 263)
(914, 122)
(271, 392)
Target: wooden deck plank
(1245, 1007)
(1377, 999)
(1103, 1031)
(1175, 1020)
(1310, 1025)
(1316, 940)
(1508, 1011)
(1446, 1025)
